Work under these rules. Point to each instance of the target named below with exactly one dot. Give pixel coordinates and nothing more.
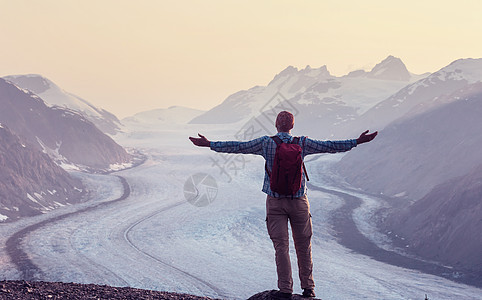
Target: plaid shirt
(266, 147)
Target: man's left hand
(365, 137)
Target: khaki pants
(297, 211)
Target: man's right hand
(201, 141)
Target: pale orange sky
(130, 56)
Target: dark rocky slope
(412, 156)
(58, 290)
(445, 225)
(425, 164)
(30, 182)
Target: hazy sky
(130, 56)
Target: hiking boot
(308, 293)
(280, 295)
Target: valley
(146, 235)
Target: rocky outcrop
(11, 289)
(60, 290)
(268, 295)
(67, 136)
(30, 182)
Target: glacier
(155, 239)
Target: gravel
(59, 290)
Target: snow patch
(468, 69)
(31, 198)
(58, 158)
(120, 166)
(3, 218)
(69, 166)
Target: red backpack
(285, 178)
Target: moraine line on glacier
(30, 271)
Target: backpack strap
(296, 140)
(278, 142)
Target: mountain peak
(391, 68)
(321, 71)
(288, 71)
(307, 71)
(465, 68)
(34, 82)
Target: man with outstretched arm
(281, 209)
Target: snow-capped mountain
(411, 156)
(53, 95)
(30, 182)
(423, 94)
(66, 135)
(391, 68)
(323, 102)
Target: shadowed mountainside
(411, 156)
(30, 182)
(425, 163)
(445, 225)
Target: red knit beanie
(285, 121)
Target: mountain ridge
(53, 95)
(425, 91)
(65, 134)
(324, 100)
